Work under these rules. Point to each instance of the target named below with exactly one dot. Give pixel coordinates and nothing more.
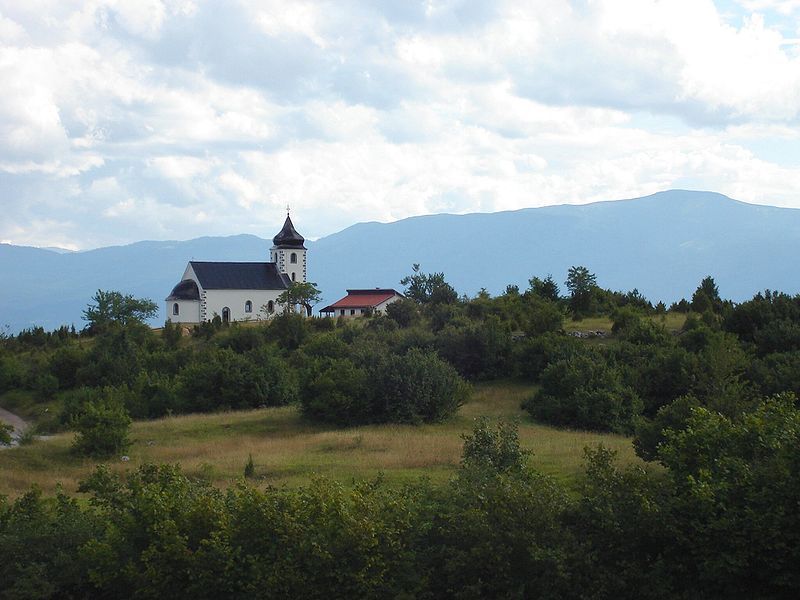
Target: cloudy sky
(123, 120)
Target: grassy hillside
(288, 451)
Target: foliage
(546, 289)
(428, 288)
(114, 307)
(414, 387)
(5, 433)
(249, 467)
(222, 378)
(497, 449)
(581, 284)
(303, 294)
(585, 392)
(478, 350)
(706, 296)
(102, 427)
(403, 312)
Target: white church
(237, 291)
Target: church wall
(188, 311)
(296, 271)
(235, 300)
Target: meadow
(289, 451)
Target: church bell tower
(288, 252)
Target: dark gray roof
(288, 236)
(240, 276)
(185, 290)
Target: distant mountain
(662, 244)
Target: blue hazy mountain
(662, 244)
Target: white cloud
(126, 119)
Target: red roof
(362, 299)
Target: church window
(293, 258)
(226, 315)
(292, 276)
(270, 307)
(176, 309)
(248, 307)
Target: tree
(304, 294)
(580, 283)
(102, 426)
(114, 307)
(706, 296)
(545, 288)
(428, 288)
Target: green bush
(102, 427)
(5, 433)
(585, 393)
(415, 387)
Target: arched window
(176, 309)
(248, 307)
(226, 315)
(293, 258)
(270, 307)
(292, 276)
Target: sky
(125, 120)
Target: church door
(226, 315)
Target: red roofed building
(359, 303)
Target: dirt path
(20, 425)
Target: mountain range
(662, 244)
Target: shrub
(403, 312)
(335, 391)
(478, 350)
(531, 356)
(415, 387)
(586, 393)
(102, 427)
(221, 378)
(249, 467)
(5, 433)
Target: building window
(248, 307)
(341, 312)
(292, 276)
(226, 315)
(293, 258)
(270, 307)
(176, 309)
(361, 310)
(352, 311)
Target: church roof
(363, 299)
(239, 276)
(185, 290)
(288, 236)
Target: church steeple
(288, 251)
(288, 236)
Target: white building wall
(217, 300)
(282, 257)
(381, 308)
(188, 311)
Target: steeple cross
(287, 210)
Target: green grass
(672, 321)
(288, 450)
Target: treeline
(411, 365)
(719, 521)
